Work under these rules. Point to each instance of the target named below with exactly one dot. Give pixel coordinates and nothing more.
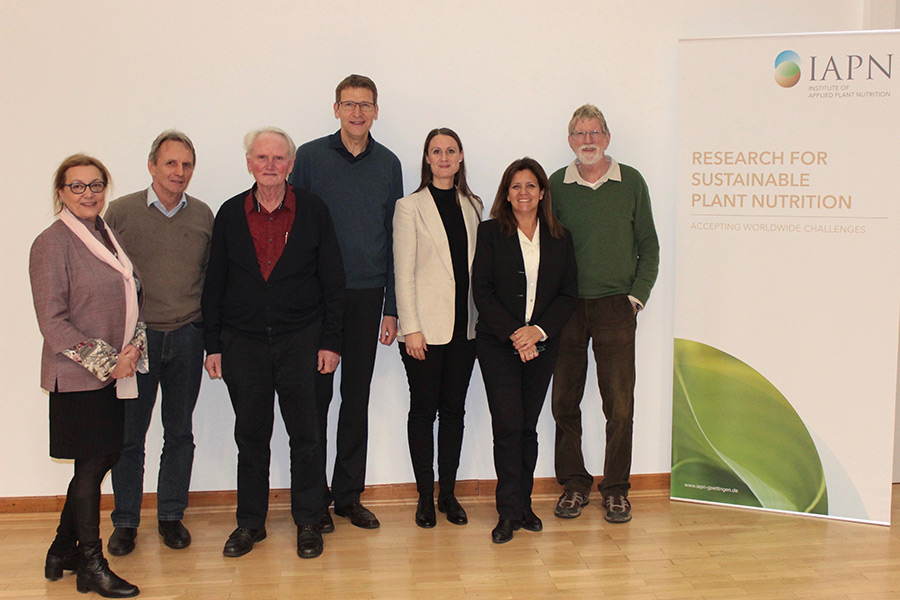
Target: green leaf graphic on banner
(736, 439)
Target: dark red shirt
(270, 230)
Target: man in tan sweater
(166, 233)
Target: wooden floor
(670, 550)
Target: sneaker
(570, 504)
(618, 508)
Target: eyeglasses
(580, 135)
(78, 188)
(350, 106)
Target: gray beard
(581, 159)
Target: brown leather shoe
(309, 541)
(326, 523)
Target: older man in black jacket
(272, 307)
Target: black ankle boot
(94, 575)
(60, 559)
(63, 553)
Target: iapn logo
(787, 69)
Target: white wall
(106, 77)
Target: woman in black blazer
(524, 281)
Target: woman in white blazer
(434, 244)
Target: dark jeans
(176, 365)
(515, 392)
(437, 386)
(362, 319)
(254, 371)
(609, 323)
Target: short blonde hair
(587, 111)
(76, 160)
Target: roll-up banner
(787, 297)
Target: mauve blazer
(498, 282)
(423, 270)
(76, 297)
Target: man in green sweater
(606, 206)
(166, 233)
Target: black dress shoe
(450, 506)
(56, 564)
(121, 542)
(175, 535)
(241, 541)
(358, 514)
(326, 523)
(309, 541)
(531, 521)
(425, 516)
(503, 532)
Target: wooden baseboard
(649, 484)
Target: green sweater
(616, 247)
(170, 255)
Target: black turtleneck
(455, 227)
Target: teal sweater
(360, 193)
(616, 247)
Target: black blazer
(498, 282)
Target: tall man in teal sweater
(167, 234)
(360, 180)
(606, 206)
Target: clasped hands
(525, 341)
(126, 365)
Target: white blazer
(423, 270)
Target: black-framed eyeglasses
(350, 106)
(78, 188)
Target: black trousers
(362, 320)
(515, 392)
(437, 388)
(254, 371)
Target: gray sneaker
(618, 508)
(570, 504)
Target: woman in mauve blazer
(434, 245)
(524, 282)
(85, 295)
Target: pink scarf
(126, 387)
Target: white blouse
(531, 253)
